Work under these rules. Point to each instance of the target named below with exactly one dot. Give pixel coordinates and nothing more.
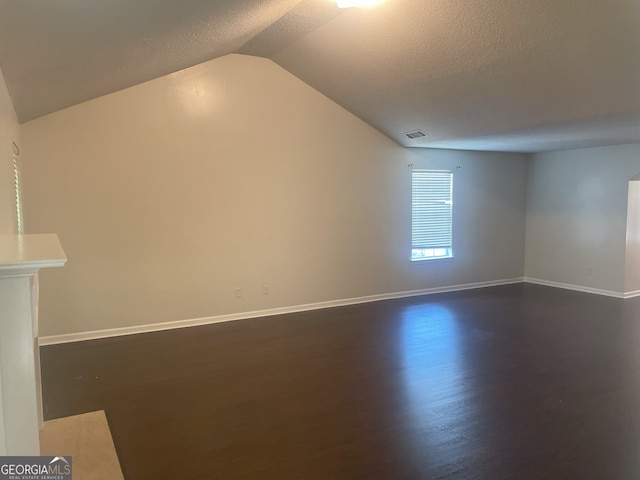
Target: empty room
(321, 239)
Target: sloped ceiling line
(527, 75)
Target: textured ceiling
(512, 75)
(56, 53)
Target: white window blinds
(17, 178)
(431, 214)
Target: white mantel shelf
(21, 257)
(26, 254)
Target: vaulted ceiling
(512, 75)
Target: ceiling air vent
(415, 134)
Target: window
(18, 187)
(431, 214)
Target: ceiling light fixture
(357, 3)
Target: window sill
(433, 259)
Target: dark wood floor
(514, 382)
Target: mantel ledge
(24, 255)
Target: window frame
(423, 200)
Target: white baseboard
(578, 288)
(155, 327)
(635, 293)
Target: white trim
(24, 255)
(577, 288)
(155, 327)
(635, 293)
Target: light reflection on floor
(438, 394)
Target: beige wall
(234, 173)
(489, 208)
(577, 216)
(9, 132)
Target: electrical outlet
(237, 292)
(265, 289)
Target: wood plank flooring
(513, 382)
